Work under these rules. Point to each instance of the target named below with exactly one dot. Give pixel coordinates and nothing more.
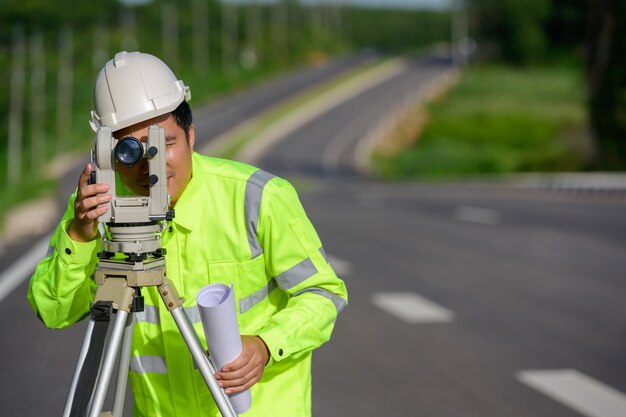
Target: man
(233, 224)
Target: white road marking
(341, 267)
(578, 391)
(22, 268)
(411, 307)
(477, 215)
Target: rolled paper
(216, 303)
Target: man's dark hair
(183, 117)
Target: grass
(497, 120)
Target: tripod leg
(79, 366)
(108, 363)
(204, 364)
(123, 365)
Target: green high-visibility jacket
(234, 224)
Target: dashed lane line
(342, 268)
(477, 215)
(411, 307)
(22, 268)
(578, 391)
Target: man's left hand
(247, 369)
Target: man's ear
(192, 137)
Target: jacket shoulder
(225, 168)
(240, 171)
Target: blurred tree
(571, 31)
(397, 30)
(278, 35)
(606, 81)
(51, 16)
(565, 28)
(512, 30)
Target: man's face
(178, 165)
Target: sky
(405, 4)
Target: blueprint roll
(216, 303)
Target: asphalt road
(530, 283)
(537, 284)
(212, 120)
(326, 146)
(492, 281)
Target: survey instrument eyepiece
(128, 151)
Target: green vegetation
(582, 33)
(397, 30)
(498, 120)
(530, 31)
(215, 47)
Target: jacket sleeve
(295, 258)
(61, 289)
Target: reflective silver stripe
(339, 302)
(50, 251)
(296, 274)
(250, 301)
(254, 194)
(323, 254)
(146, 364)
(193, 314)
(150, 314)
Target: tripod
(119, 284)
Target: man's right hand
(87, 208)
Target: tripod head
(134, 221)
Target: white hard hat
(133, 87)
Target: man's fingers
(233, 386)
(88, 206)
(87, 190)
(240, 378)
(88, 196)
(94, 214)
(91, 190)
(246, 370)
(90, 203)
(242, 360)
(237, 373)
(84, 176)
(88, 218)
